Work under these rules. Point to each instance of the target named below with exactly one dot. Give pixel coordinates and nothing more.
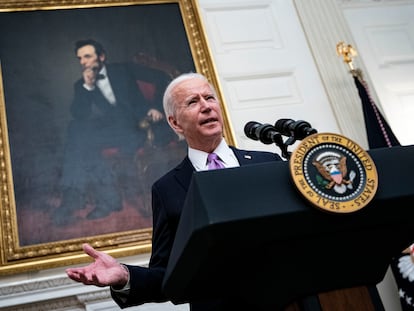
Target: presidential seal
(333, 173)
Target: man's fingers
(74, 274)
(89, 250)
(80, 275)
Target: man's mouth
(210, 120)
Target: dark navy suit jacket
(168, 195)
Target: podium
(246, 233)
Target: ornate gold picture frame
(39, 68)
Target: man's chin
(211, 135)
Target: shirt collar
(199, 158)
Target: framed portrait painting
(78, 158)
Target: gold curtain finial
(347, 52)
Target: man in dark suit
(193, 111)
(109, 113)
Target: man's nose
(205, 105)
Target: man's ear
(174, 124)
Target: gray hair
(169, 100)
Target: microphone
(298, 129)
(266, 133)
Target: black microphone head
(258, 131)
(298, 129)
(267, 133)
(284, 126)
(250, 130)
(303, 129)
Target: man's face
(88, 58)
(198, 114)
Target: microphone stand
(283, 146)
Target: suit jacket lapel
(243, 156)
(184, 172)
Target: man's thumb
(89, 250)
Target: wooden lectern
(247, 233)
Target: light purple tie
(214, 162)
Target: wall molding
(49, 293)
(370, 3)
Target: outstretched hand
(104, 271)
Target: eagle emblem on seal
(333, 172)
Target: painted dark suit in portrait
(110, 126)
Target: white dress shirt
(199, 158)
